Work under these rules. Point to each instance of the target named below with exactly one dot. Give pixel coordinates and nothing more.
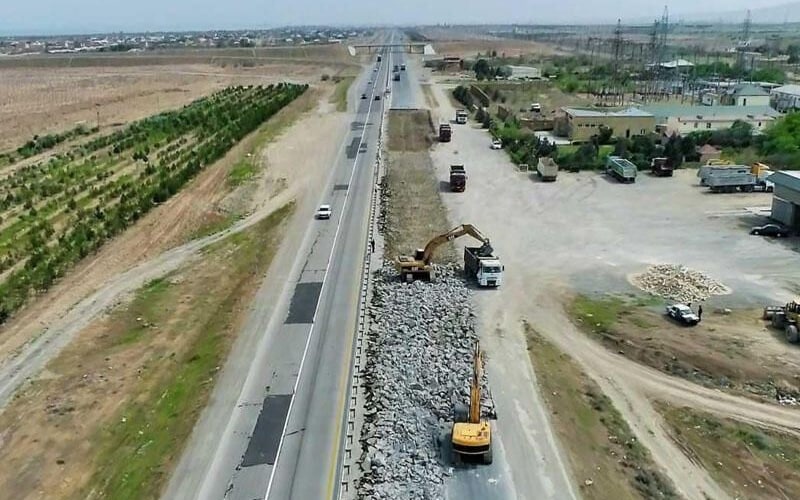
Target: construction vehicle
(621, 169)
(445, 132)
(479, 263)
(730, 179)
(379, 59)
(471, 436)
(396, 77)
(461, 116)
(785, 318)
(714, 166)
(547, 169)
(458, 178)
(402, 67)
(396, 68)
(419, 266)
(661, 167)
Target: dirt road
(537, 280)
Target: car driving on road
(324, 212)
(771, 230)
(497, 144)
(683, 314)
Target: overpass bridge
(409, 47)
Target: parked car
(497, 144)
(771, 230)
(683, 314)
(324, 212)
(377, 97)
(363, 96)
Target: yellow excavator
(419, 266)
(471, 435)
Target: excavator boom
(454, 233)
(419, 265)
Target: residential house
(786, 98)
(708, 152)
(579, 125)
(675, 118)
(745, 94)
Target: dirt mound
(677, 282)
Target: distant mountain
(788, 12)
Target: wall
(753, 100)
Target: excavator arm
(475, 388)
(454, 233)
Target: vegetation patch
(747, 461)
(606, 459)
(55, 212)
(339, 96)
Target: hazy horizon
(96, 16)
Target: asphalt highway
(281, 436)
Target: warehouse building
(786, 198)
(676, 118)
(786, 98)
(579, 125)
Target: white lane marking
(321, 294)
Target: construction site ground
(586, 234)
(58, 440)
(736, 351)
(410, 188)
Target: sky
(93, 16)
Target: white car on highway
(324, 212)
(497, 144)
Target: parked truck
(621, 169)
(396, 77)
(402, 67)
(479, 263)
(661, 167)
(458, 178)
(732, 180)
(379, 59)
(547, 169)
(445, 132)
(461, 116)
(396, 68)
(717, 166)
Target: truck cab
(461, 116)
(490, 273)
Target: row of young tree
(48, 252)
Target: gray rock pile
(419, 365)
(678, 283)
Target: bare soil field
(747, 461)
(454, 43)
(113, 410)
(606, 458)
(736, 352)
(37, 101)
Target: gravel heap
(419, 365)
(679, 283)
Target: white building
(685, 119)
(786, 98)
(746, 94)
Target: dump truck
(661, 167)
(396, 68)
(461, 116)
(445, 132)
(481, 264)
(547, 169)
(419, 265)
(396, 77)
(717, 166)
(471, 435)
(730, 180)
(621, 169)
(785, 318)
(402, 67)
(458, 178)
(379, 59)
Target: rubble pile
(678, 283)
(419, 365)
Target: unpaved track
(535, 292)
(283, 158)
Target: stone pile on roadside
(677, 282)
(419, 366)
